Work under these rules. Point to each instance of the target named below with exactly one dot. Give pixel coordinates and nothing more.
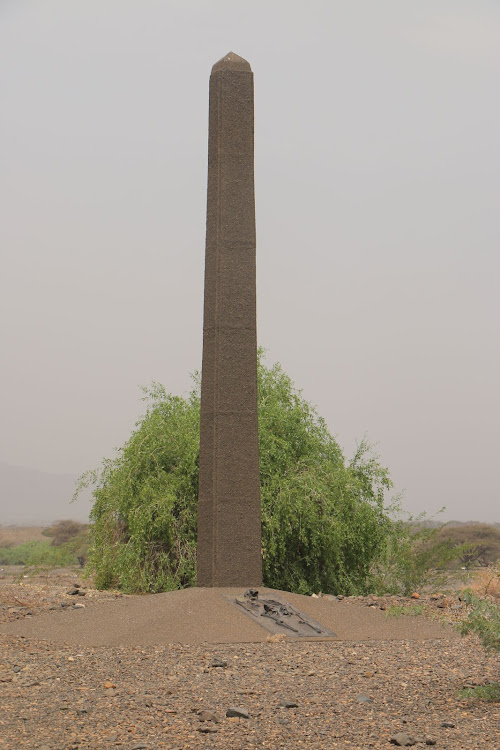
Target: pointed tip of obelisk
(231, 61)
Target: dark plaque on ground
(278, 616)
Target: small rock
(415, 595)
(64, 605)
(368, 673)
(72, 592)
(108, 684)
(209, 716)
(340, 597)
(314, 596)
(218, 664)
(81, 592)
(362, 698)
(140, 746)
(78, 606)
(289, 704)
(237, 712)
(448, 725)
(429, 741)
(77, 585)
(207, 729)
(403, 740)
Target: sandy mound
(200, 615)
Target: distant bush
(64, 531)
(479, 542)
(413, 556)
(72, 537)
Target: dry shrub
(486, 582)
(64, 531)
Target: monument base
(198, 616)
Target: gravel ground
(340, 694)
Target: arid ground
(164, 671)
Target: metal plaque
(280, 617)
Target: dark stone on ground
(218, 664)
(237, 711)
(362, 698)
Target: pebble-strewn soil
(340, 694)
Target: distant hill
(29, 497)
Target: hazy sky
(377, 188)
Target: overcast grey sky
(377, 189)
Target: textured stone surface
(229, 531)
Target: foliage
(483, 620)
(65, 531)
(143, 532)
(485, 582)
(490, 692)
(36, 554)
(479, 542)
(413, 556)
(323, 519)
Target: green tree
(323, 519)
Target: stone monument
(229, 525)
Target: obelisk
(229, 524)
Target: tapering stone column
(229, 525)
